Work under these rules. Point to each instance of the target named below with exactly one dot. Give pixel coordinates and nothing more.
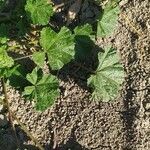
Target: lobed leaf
(39, 11)
(83, 42)
(108, 77)
(33, 77)
(5, 60)
(58, 46)
(44, 89)
(8, 72)
(83, 30)
(39, 58)
(108, 20)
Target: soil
(75, 122)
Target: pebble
(123, 2)
(147, 107)
(1, 108)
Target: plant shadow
(129, 115)
(84, 64)
(26, 66)
(8, 139)
(71, 144)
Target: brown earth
(75, 122)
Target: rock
(123, 2)
(147, 107)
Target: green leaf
(108, 20)
(83, 47)
(44, 91)
(47, 91)
(108, 77)
(58, 46)
(32, 77)
(8, 72)
(83, 42)
(22, 27)
(83, 30)
(29, 90)
(2, 4)
(39, 11)
(5, 60)
(39, 58)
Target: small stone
(3, 120)
(1, 108)
(123, 2)
(147, 107)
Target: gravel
(77, 123)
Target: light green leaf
(8, 72)
(108, 20)
(83, 30)
(44, 91)
(28, 90)
(5, 60)
(58, 46)
(32, 77)
(108, 77)
(39, 11)
(39, 58)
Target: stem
(24, 57)
(6, 102)
(23, 127)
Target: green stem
(23, 57)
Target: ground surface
(74, 122)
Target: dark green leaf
(84, 46)
(39, 11)
(44, 91)
(2, 4)
(83, 42)
(58, 46)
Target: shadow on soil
(71, 144)
(8, 140)
(84, 64)
(129, 116)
